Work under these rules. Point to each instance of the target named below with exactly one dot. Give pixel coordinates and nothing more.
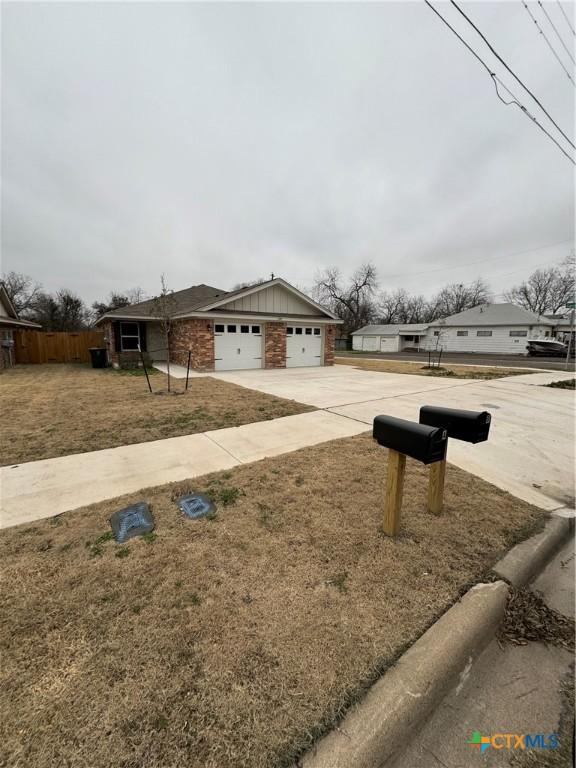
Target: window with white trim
(316, 331)
(483, 333)
(461, 333)
(129, 337)
(218, 328)
(518, 333)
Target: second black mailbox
(470, 426)
(421, 442)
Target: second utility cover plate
(196, 505)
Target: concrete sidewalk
(40, 489)
(530, 452)
(513, 689)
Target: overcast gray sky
(219, 142)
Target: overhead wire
(511, 71)
(548, 43)
(566, 17)
(496, 79)
(562, 43)
(479, 261)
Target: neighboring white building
(489, 328)
(389, 338)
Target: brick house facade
(196, 336)
(275, 345)
(329, 342)
(266, 325)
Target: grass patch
(563, 384)
(417, 369)
(250, 637)
(57, 410)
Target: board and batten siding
(500, 342)
(274, 300)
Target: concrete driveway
(531, 448)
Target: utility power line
(514, 75)
(545, 12)
(496, 80)
(480, 261)
(566, 17)
(548, 43)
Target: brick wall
(275, 345)
(110, 344)
(329, 337)
(197, 336)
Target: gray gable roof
(203, 298)
(394, 328)
(186, 300)
(493, 314)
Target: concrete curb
(378, 727)
(525, 561)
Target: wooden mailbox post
(405, 438)
(469, 426)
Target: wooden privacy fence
(55, 347)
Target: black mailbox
(470, 426)
(421, 442)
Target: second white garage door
(237, 346)
(303, 346)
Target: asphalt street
(515, 361)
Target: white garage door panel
(303, 346)
(237, 346)
(370, 344)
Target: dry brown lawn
(419, 368)
(55, 410)
(231, 642)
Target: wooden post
(436, 487)
(394, 488)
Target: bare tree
(391, 306)
(164, 309)
(458, 297)
(23, 291)
(249, 284)
(351, 300)
(136, 295)
(117, 301)
(62, 311)
(546, 290)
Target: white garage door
(370, 343)
(303, 346)
(237, 345)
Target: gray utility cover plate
(131, 521)
(196, 505)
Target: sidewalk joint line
(223, 448)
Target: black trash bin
(98, 356)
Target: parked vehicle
(547, 348)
